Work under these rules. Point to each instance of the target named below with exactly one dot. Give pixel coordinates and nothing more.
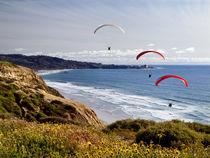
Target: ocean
(116, 94)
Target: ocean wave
(48, 72)
(115, 102)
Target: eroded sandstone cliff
(25, 95)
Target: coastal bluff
(25, 95)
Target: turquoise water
(129, 93)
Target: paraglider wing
(118, 27)
(168, 76)
(142, 53)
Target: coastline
(46, 62)
(103, 114)
(112, 104)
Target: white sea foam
(47, 72)
(112, 105)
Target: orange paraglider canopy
(169, 76)
(142, 53)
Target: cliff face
(25, 95)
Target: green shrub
(6, 103)
(7, 116)
(131, 125)
(36, 101)
(169, 134)
(6, 80)
(206, 140)
(18, 97)
(59, 120)
(128, 128)
(26, 102)
(56, 102)
(16, 110)
(40, 115)
(54, 92)
(2, 109)
(6, 63)
(50, 109)
(12, 87)
(198, 127)
(31, 117)
(54, 119)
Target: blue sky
(180, 29)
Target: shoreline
(105, 110)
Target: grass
(19, 138)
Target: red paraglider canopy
(168, 76)
(142, 53)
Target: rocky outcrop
(25, 95)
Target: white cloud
(123, 57)
(174, 48)
(151, 45)
(104, 56)
(180, 52)
(20, 49)
(185, 51)
(188, 60)
(190, 49)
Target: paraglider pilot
(170, 105)
(150, 75)
(109, 48)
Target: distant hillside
(52, 63)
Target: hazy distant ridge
(51, 63)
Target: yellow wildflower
(176, 151)
(135, 145)
(111, 153)
(160, 136)
(89, 144)
(1, 134)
